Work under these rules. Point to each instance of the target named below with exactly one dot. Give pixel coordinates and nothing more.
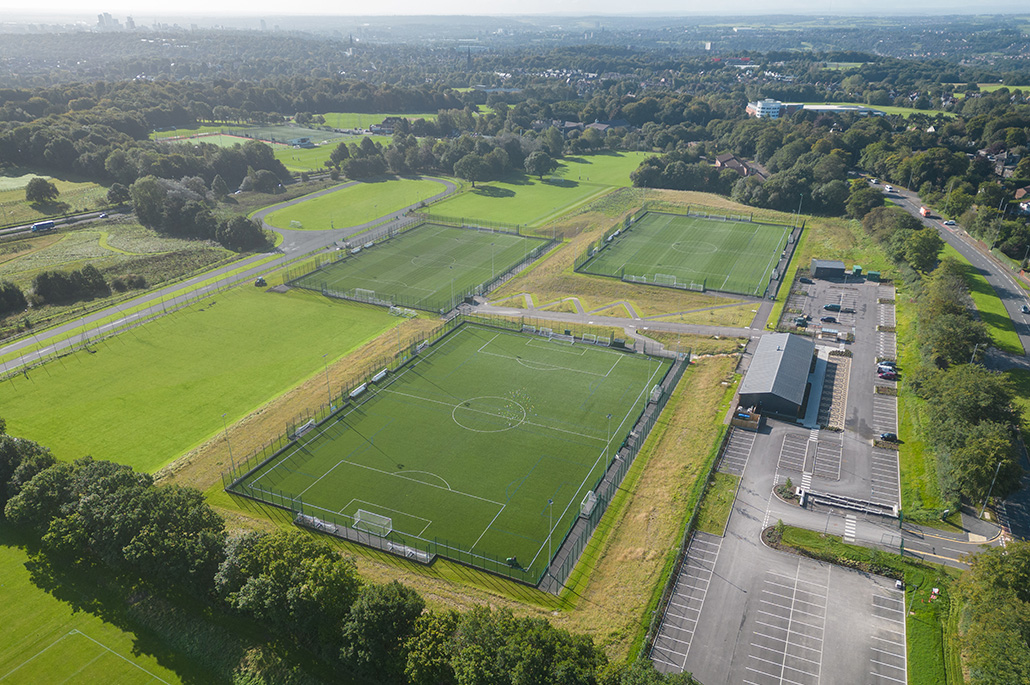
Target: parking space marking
(737, 452)
(883, 467)
(888, 661)
(793, 452)
(787, 640)
(828, 455)
(676, 632)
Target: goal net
(363, 294)
(664, 279)
(373, 523)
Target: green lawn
(147, 396)
(298, 159)
(50, 638)
(431, 267)
(187, 132)
(526, 200)
(355, 205)
(361, 120)
(221, 140)
(676, 249)
(989, 305)
(465, 447)
(74, 196)
(717, 504)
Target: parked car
(889, 437)
(807, 281)
(1025, 309)
(889, 376)
(801, 321)
(832, 307)
(887, 366)
(829, 319)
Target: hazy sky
(146, 9)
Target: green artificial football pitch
(430, 267)
(673, 249)
(485, 443)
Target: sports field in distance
(468, 443)
(427, 267)
(729, 256)
(356, 204)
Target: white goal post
(373, 523)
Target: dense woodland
(84, 104)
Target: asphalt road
(999, 276)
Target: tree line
(295, 590)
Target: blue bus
(41, 226)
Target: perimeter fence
(302, 428)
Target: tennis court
(430, 267)
(486, 444)
(694, 252)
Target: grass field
(427, 267)
(470, 443)
(147, 396)
(989, 305)
(221, 140)
(74, 196)
(666, 249)
(356, 204)
(523, 199)
(362, 120)
(314, 158)
(44, 639)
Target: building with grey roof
(827, 268)
(778, 374)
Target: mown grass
(314, 158)
(891, 109)
(921, 497)
(717, 503)
(989, 305)
(75, 196)
(527, 200)
(355, 205)
(147, 396)
(1021, 381)
(37, 618)
(362, 120)
(931, 627)
(698, 345)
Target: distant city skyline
(13, 11)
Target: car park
(829, 319)
(889, 437)
(806, 281)
(889, 376)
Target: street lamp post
(797, 219)
(607, 444)
(225, 432)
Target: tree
(219, 187)
(376, 632)
(471, 167)
(922, 248)
(539, 163)
(989, 448)
(148, 197)
(862, 200)
(12, 299)
(118, 194)
(40, 191)
(428, 649)
(240, 233)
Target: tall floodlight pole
(225, 432)
(797, 219)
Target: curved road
(295, 244)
